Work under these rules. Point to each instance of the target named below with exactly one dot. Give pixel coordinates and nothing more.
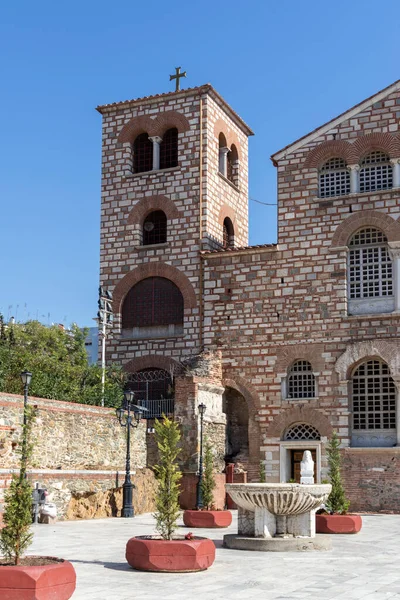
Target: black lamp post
(199, 501)
(126, 419)
(26, 377)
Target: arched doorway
(237, 428)
(296, 439)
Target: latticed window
(302, 431)
(169, 149)
(301, 380)
(155, 228)
(154, 301)
(374, 396)
(369, 265)
(376, 172)
(334, 178)
(228, 233)
(142, 154)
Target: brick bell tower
(174, 182)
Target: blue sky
(285, 67)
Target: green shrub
(337, 501)
(208, 482)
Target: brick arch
(299, 414)
(311, 352)
(147, 205)
(135, 127)
(148, 361)
(245, 388)
(366, 218)
(230, 135)
(385, 142)
(386, 350)
(226, 211)
(331, 149)
(158, 269)
(169, 119)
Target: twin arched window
(151, 154)
(375, 173)
(300, 381)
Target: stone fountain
(278, 517)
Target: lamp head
(202, 409)
(120, 414)
(129, 397)
(26, 377)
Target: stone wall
(79, 455)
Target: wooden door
(297, 457)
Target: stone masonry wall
(79, 451)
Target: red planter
(338, 523)
(173, 556)
(207, 519)
(46, 582)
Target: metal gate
(154, 390)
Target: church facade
(283, 342)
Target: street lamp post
(199, 501)
(126, 419)
(105, 322)
(26, 377)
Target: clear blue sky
(285, 67)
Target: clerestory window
(376, 172)
(334, 178)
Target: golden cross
(177, 76)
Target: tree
(59, 361)
(208, 482)
(168, 476)
(16, 535)
(337, 501)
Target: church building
(284, 343)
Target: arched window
(142, 154)
(155, 228)
(376, 172)
(302, 431)
(153, 308)
(334, 178)
(169, 149)
(374, 405)
(232, 165)
(370, 277)
(228, 233)
(222, 154)
(300, 380)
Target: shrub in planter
(28, 577)
(335, 518)
(168, 551)
(207, 517)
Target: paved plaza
(364, 566)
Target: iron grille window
(369, 265)
(376, 172)
(142, 154)
(169, 149)
(302, 431)
(334, 179)
(374, 396)
(301, 380)
(154, 301)
(155, 228)
(227, 233)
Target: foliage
(208, 482)
(168, 475)
(59, 362)
(337, 502)
(16, 535)
(262, 471)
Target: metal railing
(157, 408)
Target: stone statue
(307, 469)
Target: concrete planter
(338, 523)
(45, 582)
(207, 519)
(171, 556)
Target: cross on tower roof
(177, 76)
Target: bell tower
(174, 182)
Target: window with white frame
(374, 404)
(334, 178)
(302, 431)
(376, 172)
(300, 380)
(370, 272)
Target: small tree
(16, 536)
(168, 475)
(208, 482)
(262, 471)
(337, 501)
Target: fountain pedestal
(277, 516)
